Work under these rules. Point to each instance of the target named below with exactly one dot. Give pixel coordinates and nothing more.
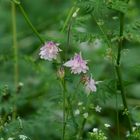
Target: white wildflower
(95, 130)
(77, 112)
(107, 125)
(23, 137)
(98, 108)
(85, 115)
(80, 103)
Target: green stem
(68, 18)
(29, 22)
(72, 115)
(15, 48)
(105, 36)
(102, 31)
(80, 136)
(118, 70)
(64, 107)
(117, 118)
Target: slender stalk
(29, 22)
(102, 31)
(64, 107)
(117, 118)
(118, 70)
(72, 115)
(68, 18)
(15, 47)
(80, 135)
(105, 36)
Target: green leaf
(118, 5)
(132, 31)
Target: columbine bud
(61, 73)
(84, 79)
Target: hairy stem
(64, 107)
(118, 70)
(15, 47)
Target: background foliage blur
(39, 100)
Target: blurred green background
(39, 102)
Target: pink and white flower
(90, 85)
(77, 64)
(49, 51)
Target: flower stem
(29, 22)
(64, 107)
(72, 115)
(15, 48)
(117, 117)
(68, 18)
(118, 70)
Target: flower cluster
(77, 64)
(97, 134)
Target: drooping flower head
(77, 64)
(49, 51)
(90, 85)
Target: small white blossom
(80, 103)
(133, 128)
(127, 134)
(77, 112)
(107, 125)
(85, 115)
(137, 124)
(98, 108)
(23, 137)
(95, 130)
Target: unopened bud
(61, 73)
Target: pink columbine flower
(77, 64)
(49, 51)
(90, 85)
